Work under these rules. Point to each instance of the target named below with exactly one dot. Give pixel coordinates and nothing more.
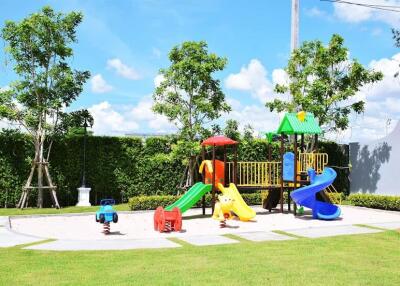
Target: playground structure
(286, 175)
(303, 175)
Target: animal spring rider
(106, 214)
(166, 221)
(222, 210)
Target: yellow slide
(240, 208)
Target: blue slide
(306, 196)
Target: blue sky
(124, 44)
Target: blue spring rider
(106, 214)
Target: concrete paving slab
(331, 231)
(3, 220)
(122, 244)
(202, 240)
(386, 225)
(263, 236)
(9, 238)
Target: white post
(83, 197)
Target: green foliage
(188, 95)
(375, 201)
(248, 133)
(231, 129)
(323, 80)
(152, 202)
(39, 46)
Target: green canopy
(292, 123)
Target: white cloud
(99, 85)
(121, 120)
(142, 112)
(158, 79)
(382, 103)
(253, 79)
(122, 69)
(315, 12)
(357, 14)
(108, 121)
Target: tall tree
(190, 96)
(323, 81)
(40, 47)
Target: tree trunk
(40, 175)
(191, 170)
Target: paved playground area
(135, 229)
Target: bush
(375, 201)
(152, 202)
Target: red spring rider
(166, 221)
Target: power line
(390, 8)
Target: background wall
(376, 165)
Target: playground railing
(317, 161)
(255, 174)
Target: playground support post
(203, 199)
(235, 165)
(225, 167)
(302, 143)
(281, 190)
(295, 173)
(213, 181)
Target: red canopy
(218, 141)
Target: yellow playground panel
(256, 174)
(267, 174)
(317, 161)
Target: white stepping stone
(263, 236)
(9, 238)
(114, 244)
(387, 225)
(203, 240)
(3, 220)
(332, 231)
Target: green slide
(192, 196)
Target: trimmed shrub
(375, 201)
(152, 202)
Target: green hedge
(117, 167)
(152, 202)
(375, 201)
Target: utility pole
(294, 38)
(294, 32)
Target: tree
(189, 95)
(39, 46)
(323, 81)
(231, 129)
(248, 133)
(396, 38)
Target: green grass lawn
(371, 259)
(30, 211)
